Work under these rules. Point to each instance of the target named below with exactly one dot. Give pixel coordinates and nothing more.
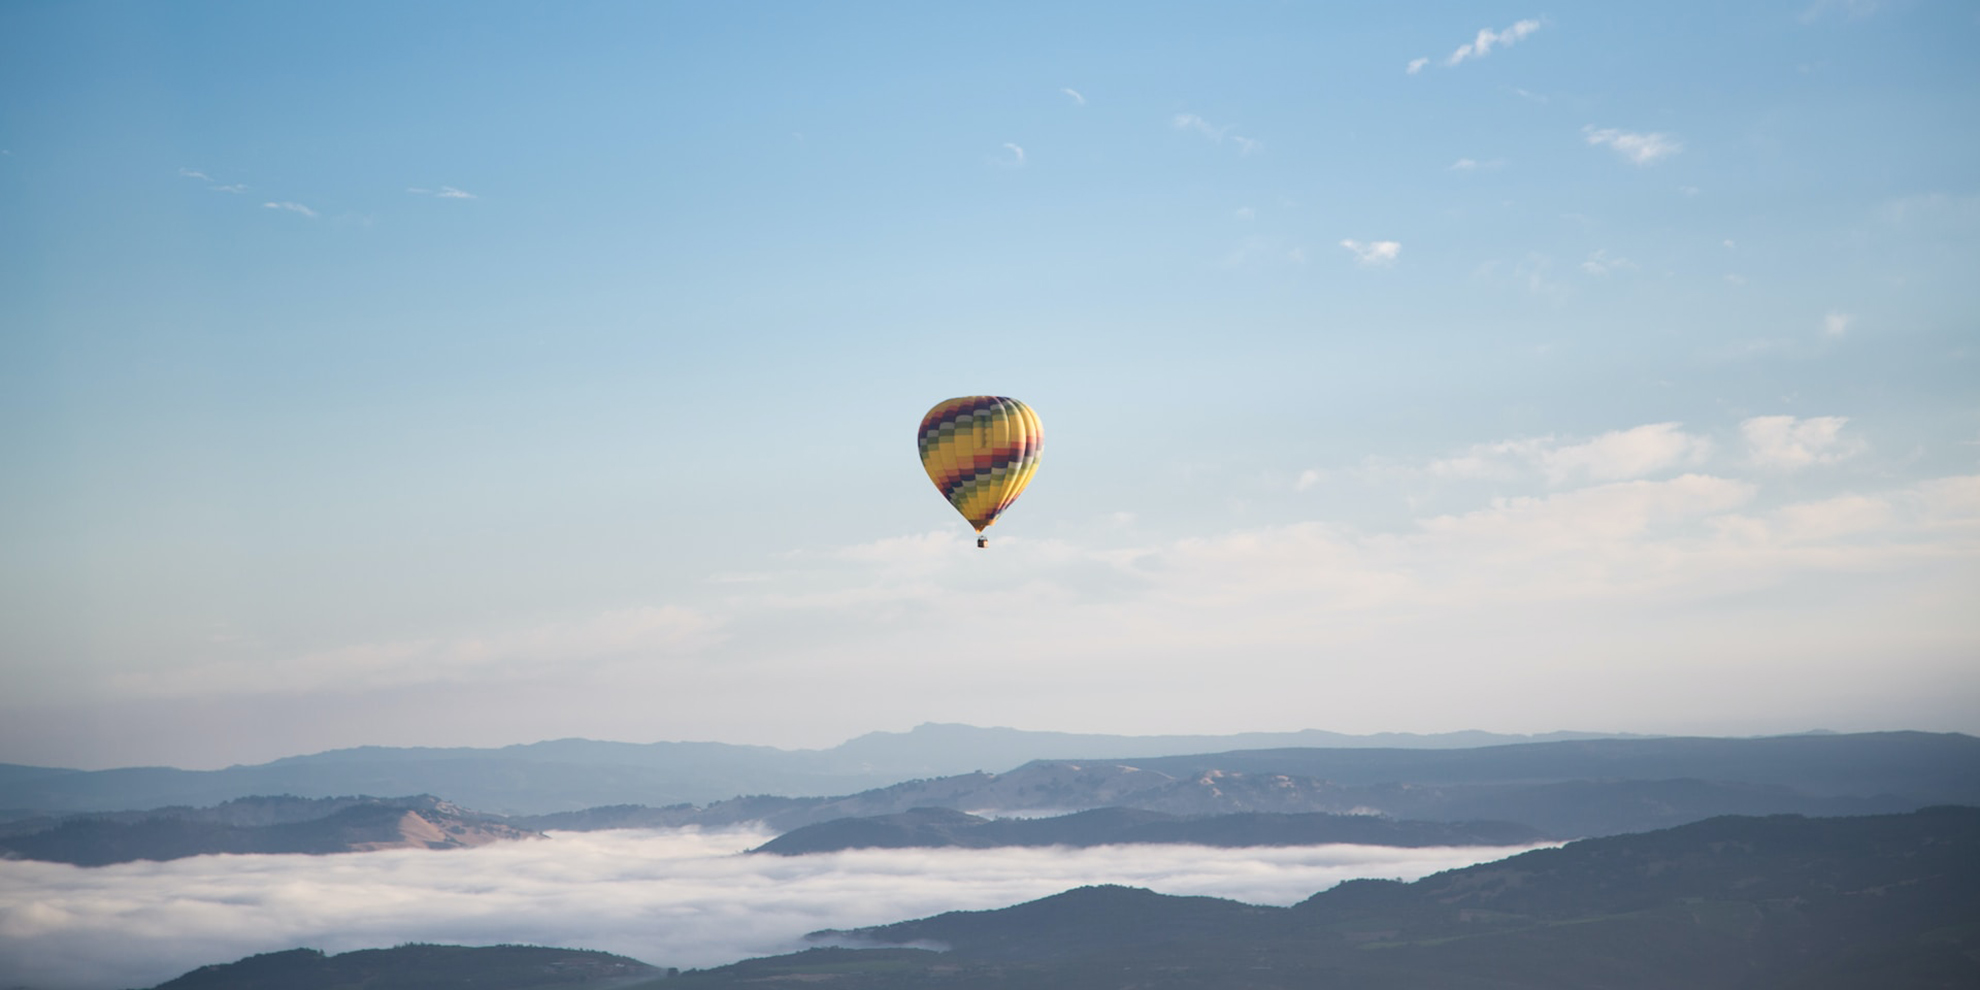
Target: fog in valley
(672, 898)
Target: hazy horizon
(1513, 736)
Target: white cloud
(1600, 263)
(1216, 134)
(1631, 453)
(195, 174)
(1615, 455)
(449, 192)
(293, 208)
(668, 897)
(1307, 479)
(1836, 324)
(1374, 252)
(1017, 156)
(1192, 122)
(1075, 94)
(1416, 65)
(235, 188)
(1642, 149)
(1788, 443)
(1489, 39)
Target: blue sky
(479, 373)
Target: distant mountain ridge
(257, 825)
(1533, 784)
(1562, 789)
(934, 828)
(569, 774)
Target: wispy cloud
(1374, 252)
(195, 174)
(1474, 165)
(1192, 122)
(1788, 443)
(1489, 39)
(1617, 455)
(234, 188)
(1245, 213)
(1836, 325)
(444, 192)
(1016, 158)
(1643, 149)
(1600, 263)
(1416, 65)
(1215, 133)
(292, 207)
(1077, 97)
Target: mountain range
(570, 774)
(1562, 790)
(928, 828)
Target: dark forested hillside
(937, 827)
(418, 967)
(1780, 902)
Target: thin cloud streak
(668, 897)
(1216, 134)
(1641, 149)
(1075, 94)
(1488, 39)
(291, 207)
(1373, 253)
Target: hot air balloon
(980, 450)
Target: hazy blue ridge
(942, 827)
(570, 775)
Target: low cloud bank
(669, 897)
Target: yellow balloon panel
(980, 450)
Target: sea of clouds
(670, 897)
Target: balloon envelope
(980, 450)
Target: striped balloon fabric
(980, 450)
